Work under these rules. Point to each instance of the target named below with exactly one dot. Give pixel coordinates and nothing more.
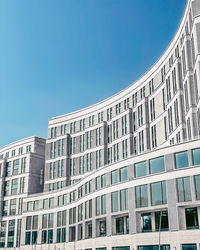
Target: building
(124, 173)
(21, 174)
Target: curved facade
(124, 173)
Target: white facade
(124, 173)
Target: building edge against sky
(122, 174)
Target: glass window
(103, 204)
(14, 186)
(155, 247)
(163, 224)
(45, 204)
(123, 175)
(114, 177)
(35, 222)
(189, 247)
(50, 236)
(196, 156)
(141, 196)
(124, 199)
(183, 189)
(120, 248)
(114, 199)
(97, 206)
(120, 225)
(44, 220)
(103, 181)
(28, 238)
(44, 236)
(28, 222)
(197, 186)
(34, 237)
(15, 167)
(158, 193)
(146, 222)
(191, 218)
(98, 183)
(102, 228)
(50, 220)
(140, 169)
(157, 165)
(181, 159)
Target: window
(14, 186)
(157, 165)
(50, 236)
(102, 230)
(196, 156)
(123, 199)
(161, 220)
(103, 181)
(15, 167)
(98, 183)
(191, 218)
(183, 189)
(146, 222)
(11, 232)
(114, 177)
(155, 247)
(189, 247)
(181, 159)
(197, 186)
(140, 169)
(6, 188)
(114, 201)
(13, 207)
(158, 193)
(141, 196)
(8, 168)
(23, 165)
(44, 237)
(123, 175)
(28, 238)
(98, 209)
(103, 204)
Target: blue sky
(57, 56)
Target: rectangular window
(15, 167)
(146, 222)
(123, 174)
(197, 186)
(181, 159)
(114, 201)
(103, 204)
(141, 196)
(123, 199)
(191, 218)
(196, 156)
(14, 186)
(158, 193)
(157, 165)
(161, 221)
(140, 169)
(183, 189)
(114, 177)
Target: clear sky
(57, 56)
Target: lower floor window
(189, 247)
(155, 247)
(120, 248)
(121, 225)
(50, 236)
(191, 218)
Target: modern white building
(125, 173)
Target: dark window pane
(191, 218)
(146, 222)
(189, 247)
(163, 224)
